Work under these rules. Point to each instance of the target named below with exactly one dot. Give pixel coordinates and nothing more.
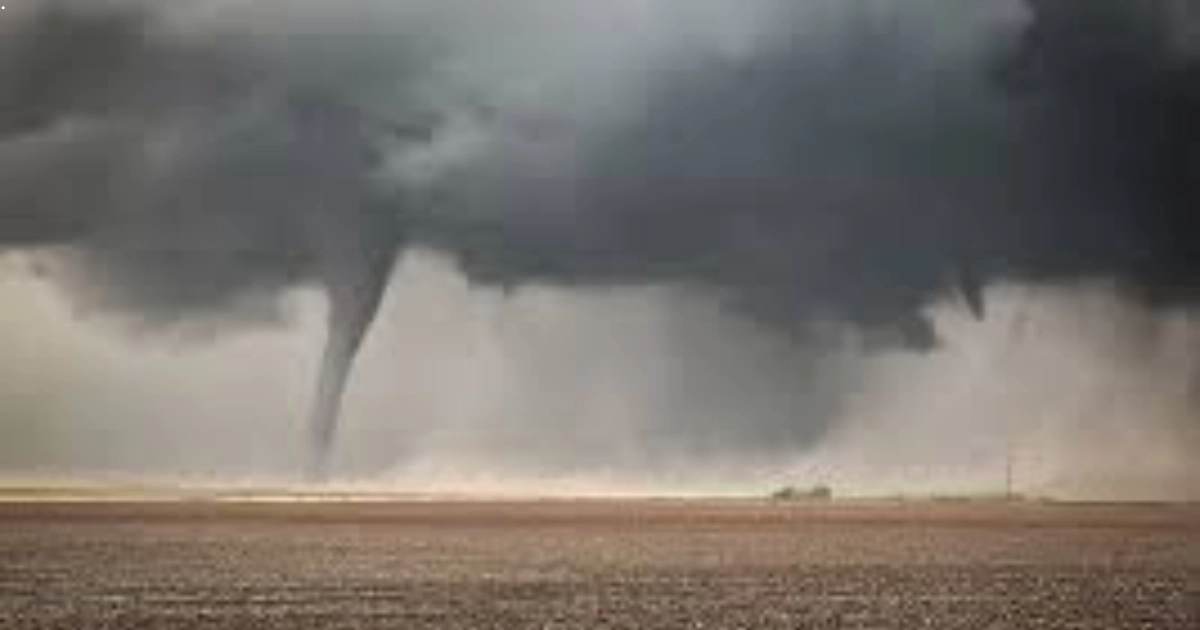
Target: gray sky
(735, 232)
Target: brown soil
(597, 564)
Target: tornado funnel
(355, 264)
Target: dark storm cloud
(857, 175)
(180, 176)
(848, 173)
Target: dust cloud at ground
(531, 393)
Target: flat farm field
(597, 564)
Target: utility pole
(1008, 469)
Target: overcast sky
(641, 243)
